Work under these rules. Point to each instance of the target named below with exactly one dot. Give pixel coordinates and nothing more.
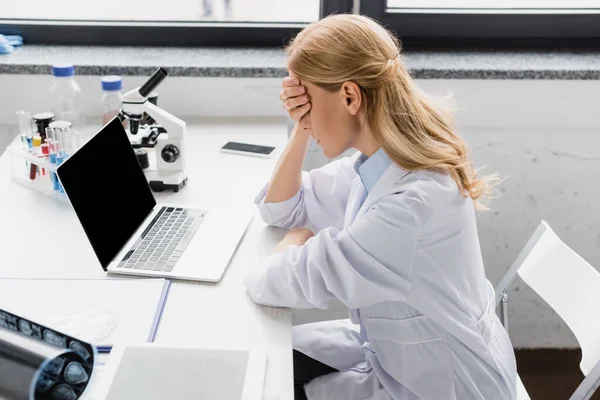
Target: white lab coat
(407, 262)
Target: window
(160, 10)
(499, 23)
(519, 4)
(160, 22)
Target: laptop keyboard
(164, 241)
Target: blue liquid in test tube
(52, 140)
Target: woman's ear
(352, 97)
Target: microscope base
(158, 186)
(159, 182)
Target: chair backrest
(521, 392)
(568, 284)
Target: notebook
(103, 312)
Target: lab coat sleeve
(320, 202)
(370, 262)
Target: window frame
(489, 28)
(162, 33)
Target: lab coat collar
(360, 200)
(370, 169)
(388, 184)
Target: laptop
(129, 231)
(158, 372)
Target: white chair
(571, 287)
(521, 392)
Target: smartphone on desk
(247, 149)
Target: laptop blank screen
(108, 190)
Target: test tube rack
(21, 161)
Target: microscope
(167, 139)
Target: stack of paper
(104, 312)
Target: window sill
(270, 63)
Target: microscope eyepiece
(153, 82)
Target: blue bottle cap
(63, 70)
(112, 83)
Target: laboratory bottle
(112, 98)
(66, 96)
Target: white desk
(41, 237)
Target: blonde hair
(413, 128)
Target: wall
(542, 137)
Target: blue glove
(9, 42)
(14, 40)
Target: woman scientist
(396, 239)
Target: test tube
(36, 143)
(45, 155)
(51, 141)
(24, 144)
(77, 140)
(78, 143)
(58, 134)
(69, 142)
(25, 148)
(25, 127)
(59, 146)
(67, 145)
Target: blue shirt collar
(370, 169)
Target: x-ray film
(39, 363)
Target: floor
(550, 374)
